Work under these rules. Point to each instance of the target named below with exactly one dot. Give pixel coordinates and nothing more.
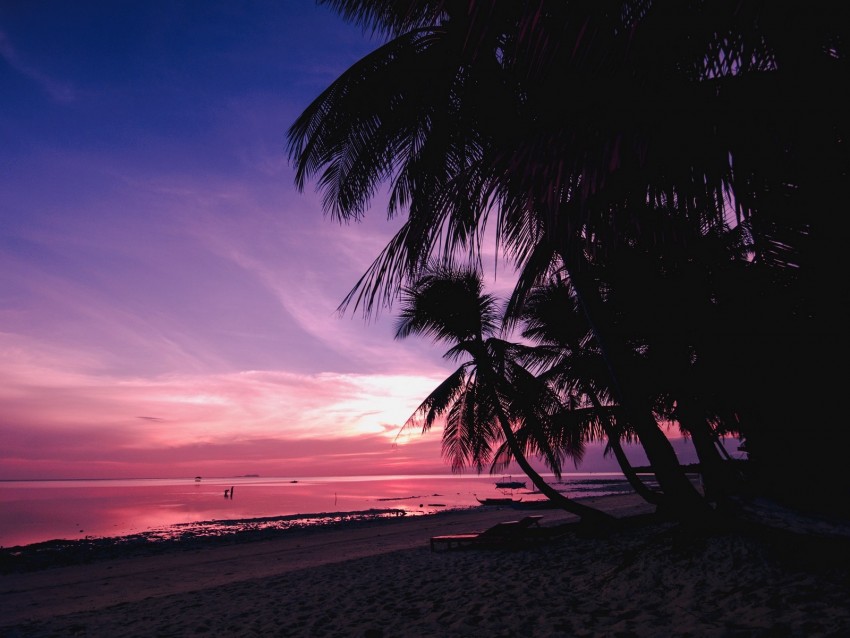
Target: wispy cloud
(58, 90)
(95, 416)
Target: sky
(168, 299)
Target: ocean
(39, 511)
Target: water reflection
(36, 511)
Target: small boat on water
(197, 479)
(497, 501)
(508, 483)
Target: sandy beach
(382, 579)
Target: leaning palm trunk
(715, 471)
(680, 495)
(544, 314)
(587, 514)
(647, 494)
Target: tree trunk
(584, 512)
(720, 477)
(680, 495)
(596, 518)
(647, 494)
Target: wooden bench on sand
(500, 534)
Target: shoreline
(219, 533)
(178, 537)
(39, 513)
(381, 579)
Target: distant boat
(197, 479)
(507, 482)
(497, 501)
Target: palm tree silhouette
(431, 115)
(489, 391)
(569, 361)
(587, 128)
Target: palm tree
(565, 353)
(660, 138)
(480, 399)
(463, 112)
(428, 113)
(671, 309)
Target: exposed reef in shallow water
(56, 553)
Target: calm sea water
(36, 511)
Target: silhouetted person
(231, 492)
(226, 492)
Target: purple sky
(167, 299)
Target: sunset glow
(169, 301)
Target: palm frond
(439, 401)
(471, 429)
(356, 132)
(390, 16)
(448, 305)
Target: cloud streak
(59, 91)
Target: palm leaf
(439, 401)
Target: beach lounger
(501, 534)
(530, 521)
